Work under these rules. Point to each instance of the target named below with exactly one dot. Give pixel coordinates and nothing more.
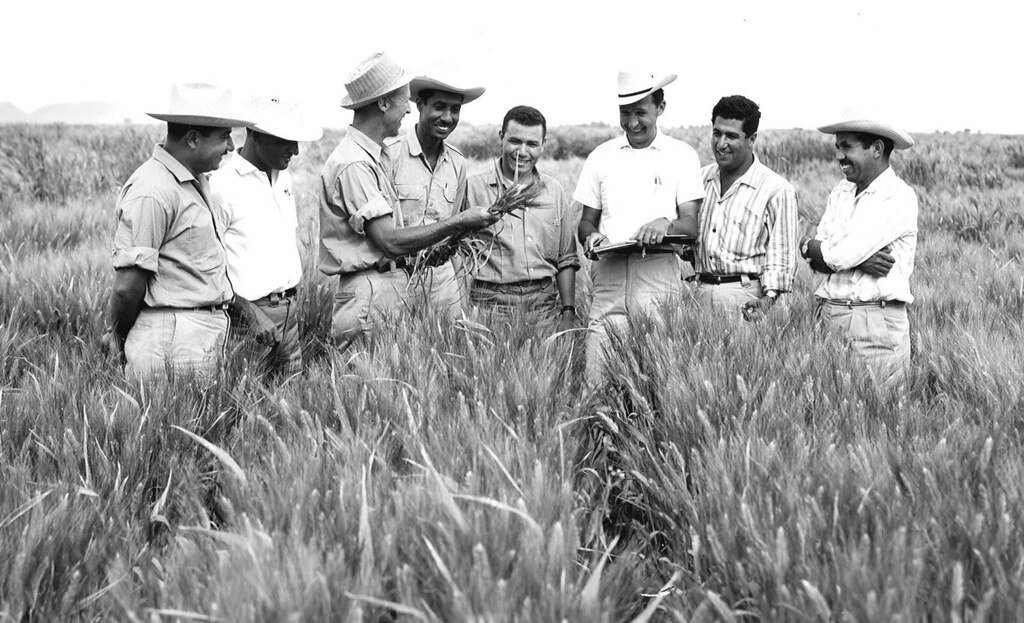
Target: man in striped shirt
(746, 250)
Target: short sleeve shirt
(633, 187)
(165, 226)
(426, 196)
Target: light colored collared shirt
(260, 227)
(354, 189)
(752, 229)
(165, 226)
(426, 196)
(633, 187)
(536, 246)
(854, 227)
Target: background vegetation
(458, 472)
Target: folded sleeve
(141, 227)
(360, 196)
(780, 258)
(568, 256)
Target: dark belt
(204, 308)
(720, 279)
(529, 284)
(388, 266)
(274, 298)
(852, 304)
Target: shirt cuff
(775, 281)
(569, 261)
(138, 257)
(374, 208)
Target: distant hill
(9, 113)
(73, 113)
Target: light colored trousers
(879, 335)
(626, 285)
(186, 341)
(534, 304)
(439, 289)
(363, 299)
(285, 356)
(728, 298)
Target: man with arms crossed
(640, 186)
(171, 287)
(362, 240)
(428, 173)
(524, 254)
(746, 252)
(253, 193)
(865, 246)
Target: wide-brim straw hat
(857, 121)
(634, 85)
(376, 76)
(420, 83)
(285, 120)
(203, 105)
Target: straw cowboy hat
(634, 86)
(423, 82)
(201, 104)
(858, 121)
(376, 76)
(285, 120)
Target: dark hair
(658, 97)
(425, 94)
(866, 139)
(526, 116)
(738, 107)
(177, 131)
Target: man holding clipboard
(640, 187)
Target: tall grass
(446, 472)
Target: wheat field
(458, 472)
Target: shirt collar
(656, 144)
(177, 169)
(365, 142)
(416, 148)
(883, 179)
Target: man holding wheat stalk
(639, 187)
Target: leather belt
(389, 266)
(720, 279)
(852, 304)
(274, 298)
(203, 308)
(529, 284)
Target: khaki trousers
(363, 300)
(728, 299)
(536, 303)
(879, 335)
(439, 289)
(284, 357)
(183, 341)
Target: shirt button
(530, 238)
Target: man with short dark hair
(171, 287)
(865, 246)
(641, 186)
(253, 194)
(363, 240)
(745, 256)
(531, 262)
(428, 173)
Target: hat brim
(629, 98)
(900, 139)
(298, 133)
(210, 122)
(422, 82)
(349, 103)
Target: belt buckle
(274, 299)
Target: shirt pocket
(441, 202)
(746, 224)
(411, 200)
(203, 245)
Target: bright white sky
(926, 65)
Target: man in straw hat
(362, 238)
(865, 245)
(746, 252)
(171, 287)
(428, 173)
(639, 187)
(253, 194)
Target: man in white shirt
(640, 186)
(865, 246)
(253, 193)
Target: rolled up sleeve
(780, 258)
(568, 256)
(361, 197)
(141, 227)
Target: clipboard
(631, 246)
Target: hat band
(635, 92)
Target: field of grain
(459, 472)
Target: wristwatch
(804, 246)
(772, 294)
(566, 308)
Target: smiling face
(439, 114)
(397, 109)
(860, 164)
(521, 147)
(273, 153)
(640, 121)
(209, 150)
(733, 149)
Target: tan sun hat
(634, 86)
(858, 121)
(201, 104)
(420, 83)
(376, 76)
(286, 120)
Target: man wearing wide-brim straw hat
(641, 186)
(253, 194)
(865, 245)
(171, 287)
(428, 174)
(362, 237)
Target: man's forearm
(685, 225)
(584, 230)
(565, 281)
(122, 313)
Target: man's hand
(475, 218)
(256, 322)
(757, 309)
(653, 232)
(879, 264)
(113, 345)
(593, 241)
(566, 320)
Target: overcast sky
(917, 63)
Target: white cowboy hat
(201, 104)
(376, 76)
(423, 82)
(634, 86)
(858, 121)
(284, 120)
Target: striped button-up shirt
(426, 195)
(854, 227)
(752, 229)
